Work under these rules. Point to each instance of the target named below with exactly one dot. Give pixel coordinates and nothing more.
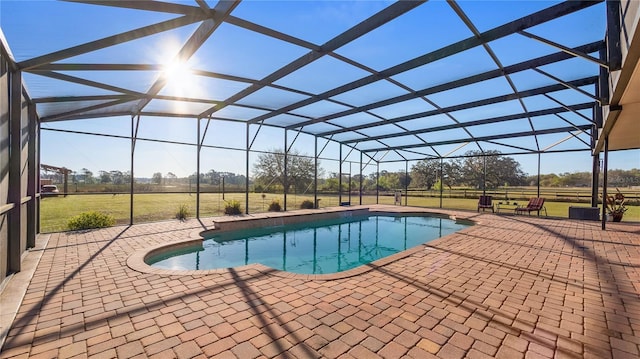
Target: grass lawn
(56, 211)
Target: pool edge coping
(136, 261)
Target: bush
(90, 220)
(232, 208)
(306, 204)
(275, 206)
(183, 212)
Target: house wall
(4, 166)
(630, 15)
(630, 12)
(621, 110)
(18, 169)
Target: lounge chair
(534, 205)
(485, 202)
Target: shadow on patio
(508, 286)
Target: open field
(56, 211)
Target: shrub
(90, 220)
(275, 206)
(306, 204)
(183, 212)
(232, 208)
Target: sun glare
(180, 82)
(178, 75)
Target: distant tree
(157, 178)
(386, 183)
(624, 178)
(332, 183)
(170, 177)
(616, 178)
(368, 182)
(301, 172)
(425, 173)
(126, 177)
(231, 178)
(213, 177)
(549, 180)
(389, 180)
(194, 177)
(105, 177)
(117, 177)
(438, 185)
(452, 173)
(404, 179)
(632, 177)
(576, 179)
(269, 170)
(500, 169)
(86, 176)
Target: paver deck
(508, 287)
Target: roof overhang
(622, 116)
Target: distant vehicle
(49, 190)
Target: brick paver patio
(508, 287)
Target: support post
(340, 175)
(406, 183)
(605, 182)
(131, 180)
(198, 148)
(484, 175)
(38, 162)
(442, 182)
(377, 182)
(65, 182)
(595, 169)
(285, 178)
(246, 176)
(538, 176)
(613, 35)
(360, 186)
(315, 172)
(349, 184)
(32, 177)
(602, 89)
(14, 195)
(602, 92)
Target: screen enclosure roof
(397, 80)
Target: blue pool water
(321, 247)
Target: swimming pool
(320, 247)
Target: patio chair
(534, 205)
(485, 202)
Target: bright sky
(34, 28)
